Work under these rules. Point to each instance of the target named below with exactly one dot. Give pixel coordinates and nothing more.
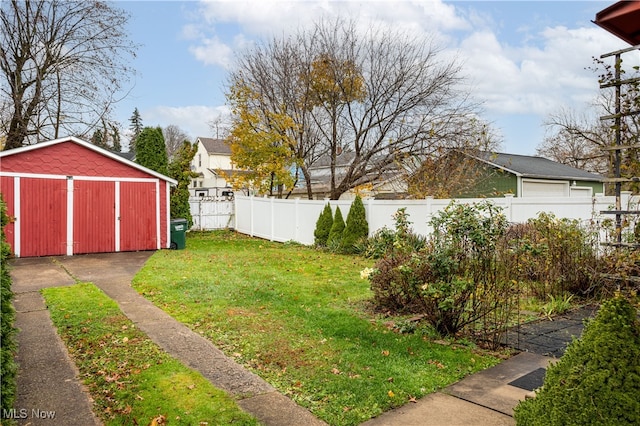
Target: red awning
(622, 19)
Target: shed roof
(215, 146)
(87, 145)
(535, 167)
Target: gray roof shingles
(538, 167)
(215, 146)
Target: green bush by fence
(356, 227)
(8, 347)
(323, 226)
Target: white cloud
(212, 51)
(194, 120)
(228, 26)
(535, 78)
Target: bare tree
(63, 62)
(586, 141)
(578, 141)
(220, 126)
(453, 170)
(174, 138)
(381, 97)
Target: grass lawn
(132, 380)
(297, 317)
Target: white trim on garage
(70, 211)
(117, 216)
(16, 214)
(544, 188)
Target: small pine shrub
(597, 381)
(323, 226)
(337, 229)
(356, 227)
(8, 366)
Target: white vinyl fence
(211, 213)
(295, 220)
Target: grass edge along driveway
(131, 380)
(298, 317)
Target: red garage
(68, 197)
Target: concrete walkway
(48, 381)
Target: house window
(199, 160)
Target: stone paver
(550, 337)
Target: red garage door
(6, 188)
(43, 216)
(94, 217)
(138, 226)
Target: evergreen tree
(323, 226)
(150, 150)
(356, 228)
(115, 138)
(136, 128)
(180, 170)
(337, 228)
(98, 139)
(8, 366)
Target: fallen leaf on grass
(391, 394)
(160, 420)
(413, 399)
(335, 371)
(385, 353)
(436, 363)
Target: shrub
(469, 283)
(597, 380)
(456, 279)
(337, 229)
(8, 366)
(180, 169)
(390, 242)
(396, 283)
(323, 226)
(620, 271)
(356, 227)
(555, 255)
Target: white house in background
(212, 162)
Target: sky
(523, 60)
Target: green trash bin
(178, 234)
